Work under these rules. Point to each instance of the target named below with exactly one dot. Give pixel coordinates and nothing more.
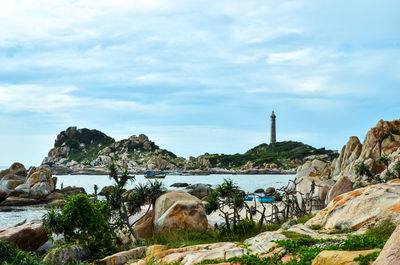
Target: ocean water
(248, 183)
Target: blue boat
(266, 199)
(154, 175)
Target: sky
(196, 76)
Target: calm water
(247, 183)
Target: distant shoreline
(101, 171)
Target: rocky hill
(90, 151)
(84, 151)
(286, 155)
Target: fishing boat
(266, 199)
(154, 175)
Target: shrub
(82, 220)
(11, 255)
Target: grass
(11, 255)
(295, 236)
(303, 219)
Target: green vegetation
(123, 207)
(83, 220)
(281, 153)
(303, 219)
(362, 169)
(367, 259)
(12, 255)
(306, 248)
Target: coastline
(212, 171)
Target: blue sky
(196, 76)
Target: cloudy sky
(196, 76)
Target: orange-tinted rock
(144, 228)
(360, 208)
(335, 257)
(342, 185)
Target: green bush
(82, 220)
(11, 255)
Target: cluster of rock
(19, 186)
(83, 151)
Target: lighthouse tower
(273, 128)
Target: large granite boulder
(390, 253)
(361, 208)
(179, 210)
(337, 257)
(28, 237)
(342, 185)
(67, 255)
(9, 182)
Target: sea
(249, 183)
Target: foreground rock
(390, 254)
(123, 257)
(199, 190)
(179, 210)
(144, 228)
(28, 237)
(361, 208)
(334, 257)
(67, 255)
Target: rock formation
(28, 237)
(179, 210)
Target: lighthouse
(273, 128)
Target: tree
(124, 204)
(83, 220)
(385, 160)
(228, 199)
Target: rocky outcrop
(67, 255)
(321, 187)
(342, 185)
(123, 257)
(361, 208)
(21, 187)
(336, 257)
(384, 138)
(90, 151)
(28, 237)
(344, 164)
(390, 253)
(179, 210)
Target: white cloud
(299, 56)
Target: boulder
(123, 257)
(179, 185)
(9, 182)
(335, 257)
(360, 208)
(66, 255)
(270, 191)
(28, 237)
(105, 191)
(144, 228)
(199, 190)
(261, 243)
(179, 210)
(315, 168)
(342, 185)
(15, 169)
(390, 253)
(260, 190)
